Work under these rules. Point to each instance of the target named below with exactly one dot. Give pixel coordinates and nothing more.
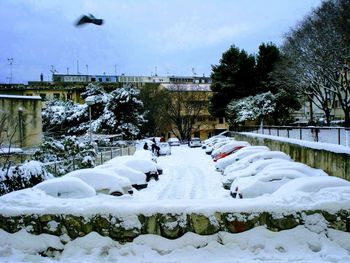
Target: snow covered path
(187, 174)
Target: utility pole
(78, 67)
(10, 61)
(87, 69)
(53, 70)
(194, 72)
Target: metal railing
(335, 135)
(103, 154)
(106, 153)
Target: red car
(224, 154)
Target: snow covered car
(174, 142)
(149, 168)
(195, 142)
(241, 153)
(164, 148)
(145, 154)
(263, 183)
(66, 187)
(251, 170)
(103, 181)
(137, 178)
(227, 149)
(310, 185)
(246, 161)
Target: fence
(60, 167)
(335, 135)
(106, 153)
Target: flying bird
(90, 19)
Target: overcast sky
(139, 37)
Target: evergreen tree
(233, 78)
(155, 100)
(266, 61)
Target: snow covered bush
(250, 108)
(22, 176)
(68, 154)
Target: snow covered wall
(333, 159)
(172, 226)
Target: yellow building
(20, 121)
(191, 105)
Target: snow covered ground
(189, 183)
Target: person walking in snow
(145, 146)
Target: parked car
(103, 181)
(145, 154)
(227, 149)
(264, 183)
(149, 168)
(241, 153)
(251, 170)
(66, 187)
(195, 142)
(310, 185)
(245, 161)
(137, 178)
(174, 142)
(164, 148)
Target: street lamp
(20, 126)
(10, 61)
(90, 100)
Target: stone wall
(22, 115)
(335, 164)
(170, 226)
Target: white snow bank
(29, 243)
(256, 245)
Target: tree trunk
(311, 121)
(347, 117)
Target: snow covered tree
(317, 57)
(120, 112)
(65, 117)
(250, 108)
(123, 113)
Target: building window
(93, 79)
(43, 96)
(56, 96)
(100, 79)
(221, 120)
